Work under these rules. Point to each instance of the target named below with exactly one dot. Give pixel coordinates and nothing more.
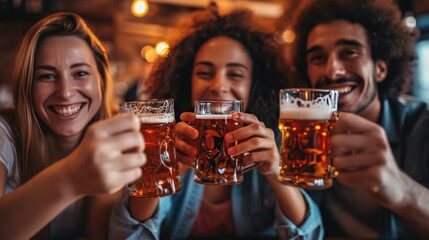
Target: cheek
(198, 87)
(367, 77)
(312, 75)
(40, 94)
(94, 90)
(244, 92)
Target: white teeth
(344, 90)
(66, 111)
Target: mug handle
(331, 171)
(250, 166)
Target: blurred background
(136, 32)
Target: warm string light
(288, 36)
(140, 8)
(162, 48)
(151, 54)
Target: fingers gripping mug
(306, 118)
(213, 164)
(160, 175)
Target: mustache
(325, 81)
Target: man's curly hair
(390, 40)
(172, 76)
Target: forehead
(63, 48)
(223, 49)
(329, 35)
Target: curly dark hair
(171, 77)
(390, 40)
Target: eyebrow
(80, 64)
(48, 67)
(341, 42)
(210, 64)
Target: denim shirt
(255, 214)
(406, 123)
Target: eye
(81, 74)
(204, 74)
(235, 75)
(45, 77)
(350, 53)
(316, 59)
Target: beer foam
(306, 113)
(323, 102)
(319, 108)
(156, 118)
(214, 116)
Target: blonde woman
(59, 159)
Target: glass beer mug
(306, 118)
(160, 175)
(213, 165)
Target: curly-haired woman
(224, 58)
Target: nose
(219, 84)
(334, 68)
(65, 87)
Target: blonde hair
(32, 137)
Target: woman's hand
(257, 140)
(186, 138)
(109, 156)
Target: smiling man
(362, 49)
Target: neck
(217, 194)
(372, 110)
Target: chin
(69, 132)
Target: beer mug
(306, 118)
(160, 175)
(213, 165)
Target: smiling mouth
(343, 90)
(66, 111)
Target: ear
(380, 70)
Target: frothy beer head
(157, 118)
(308, 104)
(305, 113)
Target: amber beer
(160, 175)
(213, 164)
(305, 125)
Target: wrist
(409, 200)
(68, 180)
(272, 178)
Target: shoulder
(7, 147)
(5, 128)
(405, 107)
(406, 101)
(411, 117)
